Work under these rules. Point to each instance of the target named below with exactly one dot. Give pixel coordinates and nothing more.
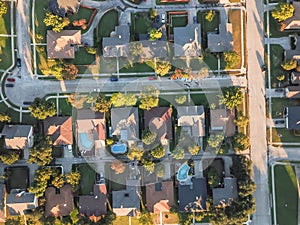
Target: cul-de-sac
(149, 112)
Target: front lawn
(18, 178)
(82, 57)
(65, 108)
(39, 15)
(278, 105)
(234, 17)
(87, 178)
(5, 21)
(116, 181)
(274, 27)
(5, 53)
(284, 135)
(276, 59)
(211, 60)
(136, 68)
(124, 220)
(286, 194)
(83, 13)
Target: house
(292, 92)
(59, 202)
(295, 78)
(127, 202)
(227, 193)
(192, 196)
(63, 7)
(189, 44)
(293, 118)
(18, 203)
(18, 136)
(125, 123)
(293, 23)
(293, 53)
(2, 203)
(192, 120)
(59, 129)
(117, 44)
(151, 49)
(160, 196)
(90, 131)
(159, 120)
(94, 205)
(221, 120)
(62, 45)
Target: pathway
(285, 42)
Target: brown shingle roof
(294, 21)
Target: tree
(41, 109)
(135, 153)
(215, 140)
(160, 170)
(135, 48)
(158, 152)
(162, 67)
(289, 65)
(213, 178)
(3, 8)
(241, 120)
(232, 97)
(231, 59)
(101, 104)
(118, 166)
(194, 150)
(41, 152)
(74, 216)
(178, 153)
(180, 99)
(56, 22)
(152, 13)
(53, 67)
(4, 118)
(69, 72)
(10, 157)
(146, 218)
(241, 142)
(58, 181)
(210, 15)
(283, 11)
(149, 97)
(280, 77)
(149, 165)
(77, 101)
(148, 137)
(73, 179)
(154, 34)
(130, 99)
(108, 218)
(41, 179)
(120, 99)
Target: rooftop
(222, 120)
(61, 7)
(16, 136)
(228, 192)
(17, 203)
(293, 117)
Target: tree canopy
(135, 153)
(154, 34)
(178, 153)
(148, 137)
(162, 67)
(73, 179)
(69, 72)
(231, 59)
(41, 179)
(215, 140)
(135, 48)
(149, 97)
(58, 181)
(3, 8)
(41, 152)
(149, 165)
(10, 157)
(232, 97)
(241, 142)
(241, 120)
(152, 13)
(160, 170)
(120, 99)
(56, 22)
(41, 109)
(77, 101)
(289, 64)
(158, 152)
(180, 99)
(101, 104)
(210, 15)
(194, 150)
(118, 166)
(283, 11)
(4, 118)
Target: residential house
(117, 44)
(153, 49)
(63, 7)
(59, 129)
(221, 120)
(293, 23)
(90, 132)
(125, 123)
(94, 205)
(293, 53)
(18, 203)
(127, 202)
(295, 78)
(189, 44)
(192, 196)
(293, 118)
(160, 196)
(2, 203)
(18, 136)
(192, 120)
(227, 193)
(59, 202)
(292, 92)
(62, 45)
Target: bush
(148, 137)
(91, 50)
(283, 11)
(158, 152)
(241, 142)
(180, 99)
(289, 65)
(210, 15)
(231, 59)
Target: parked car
(18, 62)
(100, 178)
(112, 79)
(195, 19)
(27, 103)
(279, 90)
(152, 78)
(11, 79)
(163, 18)
(157, 19)
(9, 85)
(279, 122)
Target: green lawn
(39, 14)
(179, 20)
(136, 67)
(211, 60)
(276, 59)
(278, 105)
(5, 53)
(284, 135)
(140, 25)
(286, 195)
(124, 220)
(116, 181)
(82, 57)
(83, 13)
(5, 21)
(87, 178)
(15, 116)
(208, 26)
(65, 108)
(274, 27)
(18, 178)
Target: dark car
(279, 90)
(112, 79)
(11, 79)
(279, 122)
(263, 68)
(9, 85)
(195, 19)
(27, 103)
(18, 62)
(157, 19)
(100, 178)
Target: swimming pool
(85, 142)
(118, 148)
(183, 171)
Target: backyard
(87, 178)
(177, 19)
(286, 194)
(18, 178)
(140, 24)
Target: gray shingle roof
(293, 117)
(228, 192)
(11, 131)
(222, 41)
(61, 7)
(18, 204)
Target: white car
(163, 18)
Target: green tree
(41, 179)
(135, 153)
(213, 178)
(3, 8)
(41, 152)
(180, 99)
(149, 97)
(160, 170)
(158, 152)
(135, 48)
(283, 11)
(73, 179)
(162, 67)
(101, 104)
(194, 150)
(120, 99)
(215, 140)
(280, 77)
(231, 59)
(149, 165)
(241, 120)
(148, 137)
(56, 22)
(232, 97)
(58, 181)
(178, 153)
(69, 72)
(210, 15)
(4, 118)
(77, 101)
(74, 216)
(241, 142)
(289, 65)
(10, 157)
(146, 218)
(40, 109)
(108, 218)
(154, 34)
(152, 13)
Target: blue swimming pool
(118, 148)
(85, 142)
(183, 172)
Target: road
(257, 111)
